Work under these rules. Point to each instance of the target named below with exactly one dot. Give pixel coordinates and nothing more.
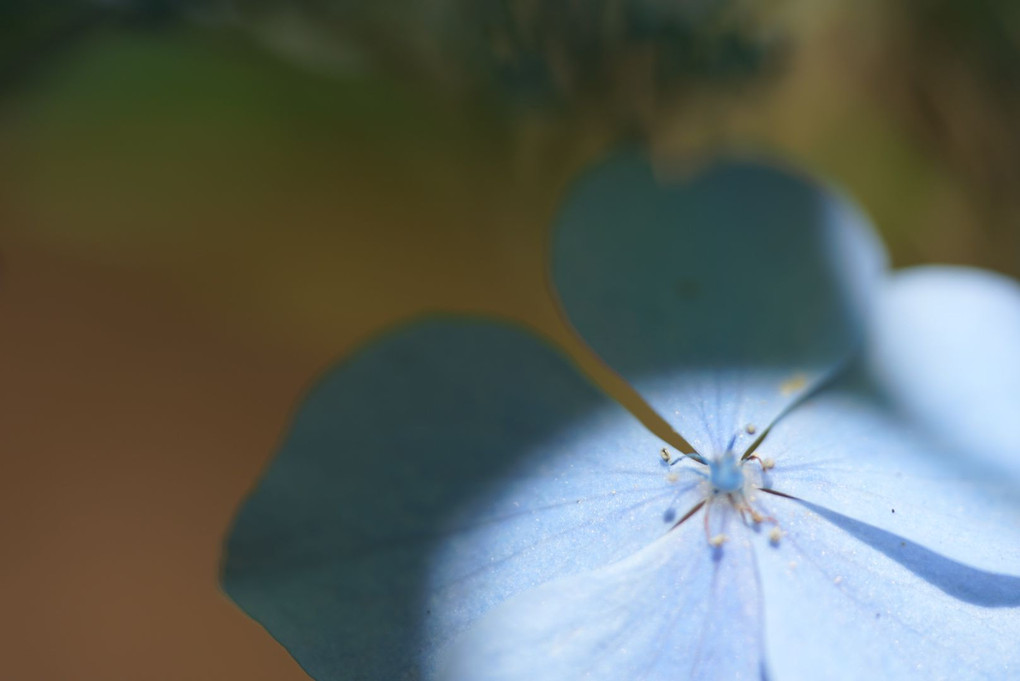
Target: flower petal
(377, 533)
(675, 610)
(846, 452)
(846, 600)
(947, 348)
(723, 299)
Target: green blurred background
(203, 204)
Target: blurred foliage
(621, 56)
(950, 71)
(558, 53)
(32, 32)
(284, 158)
(560, 48)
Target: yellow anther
(795, 383)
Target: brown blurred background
(200, 211)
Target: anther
(767, 464)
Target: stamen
(695, 509)
(744, 505)
(767, 464)
(668, 459)
(741, 508)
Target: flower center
(725, 482)
(725, 475)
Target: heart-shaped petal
(723, 298)
(946, 348)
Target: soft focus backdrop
(203, 204)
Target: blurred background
(205, 203)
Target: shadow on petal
(335, 552)
(960, 581)
(722, 298)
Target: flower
(456, 501)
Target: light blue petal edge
(946, 348)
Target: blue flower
(457, 502)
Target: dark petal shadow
(331, 552)
(988, 589)
(691, 287)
